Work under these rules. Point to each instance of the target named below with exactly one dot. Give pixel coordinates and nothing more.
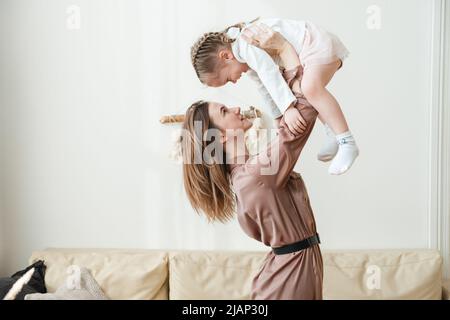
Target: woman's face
(225, 118)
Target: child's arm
(269, 75)
(269, 104)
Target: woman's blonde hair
(204, 51)
(207, 186)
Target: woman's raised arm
(276, 164)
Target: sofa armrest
(446, 289)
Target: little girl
(222, 57)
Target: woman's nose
(237, 110)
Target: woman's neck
(236, 155)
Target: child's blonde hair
(204, 51)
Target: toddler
(222, 57)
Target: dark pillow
(35, 283)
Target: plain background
(84, 159)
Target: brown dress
(275, 209)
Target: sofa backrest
(157, 274)
(212, 275)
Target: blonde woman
(270, 199)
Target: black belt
(297, 246)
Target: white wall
(85, 159)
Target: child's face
(231, 70)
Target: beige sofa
(216, 275)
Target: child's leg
(315, 79)
(330, 146)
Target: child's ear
(225, 54)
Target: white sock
(347, 153)
(331, 146)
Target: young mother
(271, 200)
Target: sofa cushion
(384, 274)
(121, 273)
(215, 275)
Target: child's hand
(294, 121)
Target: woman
(271, 200)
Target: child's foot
(331, 146)
(346, 155)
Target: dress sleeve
(275, 164)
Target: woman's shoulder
(247, 173)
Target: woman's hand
(265, 38)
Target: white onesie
(263, 69)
